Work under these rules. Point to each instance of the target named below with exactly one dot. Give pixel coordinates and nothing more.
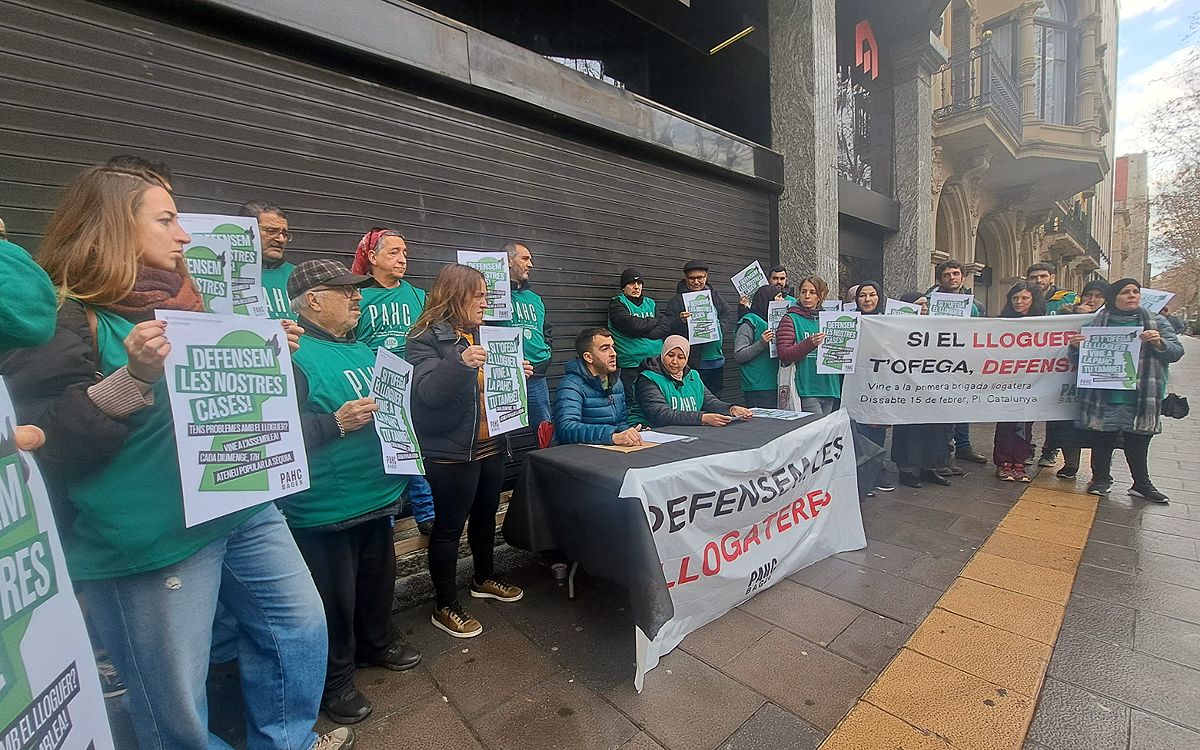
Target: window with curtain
(1053, 74)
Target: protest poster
(207, 259)
(50, 695)
(237, 426)
(756, 517)
(837, 354)
(776, 309)
(924, 369)
(391, 387)
(1108, 357)
(494, 267)
(849, 306)
(947, 305)
(245, 256)
(506, 402)
(899, 307)
(704, 325)
(832, 304)
(749, 280)
(1155, 300)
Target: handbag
(1175, 406)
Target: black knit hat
(1110, 296)
(630, 275)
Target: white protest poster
(1155, 300)
(832, 304)
(749, 280)
(233, 400)
(391, 387)
(776, 309)
(722, 536)
(494, 267)
(847, 306)
(947, 305)
(703, 323)
(1108, 357)
(207, 259)
(899, 307)
(50, 695)
(505, 400)
(837, 354)
(245, 256)
(915, 369)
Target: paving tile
(983, 509)
(1145, 541)
(414, 625)
(430, 723)
(725, 637)
(1148, 732)
(871, 640)
(967, 711)
(916, 514)
(679, 703)
(1104, 583)
(642, 741)
(1021, 577)
(931, 540)
(1140, 592)
(1170, 569)
(1111, 556)
(816, 685)
(881, 556)
(1035, 619)
(884, 593)
(1174, 526)
(1140, 680)
(1070, 718)
(995, 655)
(489, 669)
(806, 612)
(1034, 527)
(1171, 639)
(1059, 498)
(1059, 514)
(1033, 551)
(390, 691)
(868, 727)
(556, 713)
(1120, 515)
(972, 528)
(772, 728)
(820, 573)
(931, 570)
(1103, 620)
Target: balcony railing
(978, 80)
(1061, 222)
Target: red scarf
(156, 289)
(362, 253)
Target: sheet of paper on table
(650, 436)
(621, 448)
(777, 413)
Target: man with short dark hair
(951, 280)
(778, 277)
(529, 314)
(275, 236)
(708, 360)
(1043, 274)
(590, 402)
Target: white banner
(50, 695)
(233, 400)
(391, 387)
(494, 267)
(245, 256)
(704, 325)
(749, 280)
(1109, 356)
(506, 401)
(729, 526)
(914, 370)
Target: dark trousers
(355, 573)
(714, 379)
(762, 399)
(876, 433)
(1137, 454)
(1012, 444)
(461, 491)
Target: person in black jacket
(708, 360)
(637, 330)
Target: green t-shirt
(762, 372)
(685, 396)
(30, 303)
(131, 509)
(633, 350)
(346, 475)
(808, 383)
(274, 281)
(529, 313)
(388, 315)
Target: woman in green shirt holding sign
(671, 393)
(759, 371)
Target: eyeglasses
(347, 291)
(282, 234)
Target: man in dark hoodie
(708, 360)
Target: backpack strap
(93, 326)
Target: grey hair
(258, 207)
(382, 237)
(511, 248)
(300, 303)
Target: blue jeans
(158, 626)
(962, 437)
(420, 498)
(539, 401)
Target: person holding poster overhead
(390, 306)
(671, 393)
(759, 371)
(707, 359)
(797, 340)
(274, 234)
(529, 314)
(1132, 416)
(1013, 445)
(464, 463)
(636, 330)
(114, 249)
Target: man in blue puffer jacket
(590, 405)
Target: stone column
(1087, 100)
(1027, 60)
(906, 253)
(803, 81)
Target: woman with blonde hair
(114, 251)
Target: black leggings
(1137, 454)
(461, 491)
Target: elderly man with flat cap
(343, 522)
(708, 360)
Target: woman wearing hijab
(752, 349)
(1013, 439)
(920, 451)
(870, 300)
(1133, 416)
(1065, 434)
(671, 393)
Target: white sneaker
(341, 738)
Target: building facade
(1131, 219)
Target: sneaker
(455, 621)
(425, 528)
(1005, 473)
(882, 485)
(348, 707)
(1147, 491)
(398, 657)
(1067, 472)
(341, 738)
(970, 454)
(1048, 459)
(1099, 487)
(1018, 473)
(951, 470)
(496, 589)
(110, 680)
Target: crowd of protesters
(301, 590)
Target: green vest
(1059, 298)
(529, 312)
(131, 509)
(686, 396)
(346, 475)
(387, 316)
(762, 372)
(808, 383)
(633, 350)
(274, 282)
